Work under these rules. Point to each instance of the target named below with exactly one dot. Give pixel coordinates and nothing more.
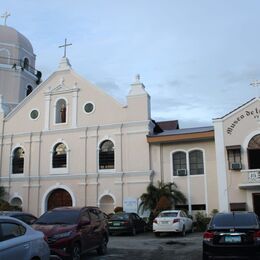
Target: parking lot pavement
(147, 246)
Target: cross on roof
(65, 47)
(256, 84)
(5, 16)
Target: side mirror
(84, 223)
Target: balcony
(250, 179)
(20, 65)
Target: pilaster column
(47, 101)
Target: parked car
(126, 222)
(25, 217)
(71, 231)
(172, 221)
(19, 240)
(232, 235)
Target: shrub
(201, 221)
(213, 212)
(118, 209)
(5, 206)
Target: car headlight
(62, 235)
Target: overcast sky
(196, 58)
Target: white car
(19, 241)
(172, 221)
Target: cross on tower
(5, 16)
(256, 84)
(65, 47)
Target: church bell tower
(17, 66)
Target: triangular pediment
(240, 109)
(62, 87)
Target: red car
(72, 231)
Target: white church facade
(67, 142)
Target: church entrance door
(256, 203)
(59, 198)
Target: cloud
(113, 89)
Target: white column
(221, 166)
(188, 182)
(47, 112)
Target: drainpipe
(86, 163)
(29, 173)
(2, 148)
(122, 165)
(97, 167)
(38, 170)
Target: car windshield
(241, 220)
(120, 217)
(58, 217)
(168, 214)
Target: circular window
(34, 114)
(89, 107)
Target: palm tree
(2, 193)
(161, 197)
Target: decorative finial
(5, 16)
(256, 84)
(65, 47)
(137, 78)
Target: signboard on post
(130, 205)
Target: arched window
(253, 151)
(59, 156)
(196, 162)
(106, 155)
(61, 113)
(179, 164)
(29, 90)
(18, 161)
(26, 64)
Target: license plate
(232, 239)
(164, 222)
(116, 224)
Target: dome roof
(10, 36)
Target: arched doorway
(59, 198)
(254, 152)
(106, 204)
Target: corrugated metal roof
(184, 131)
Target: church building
(65, 142)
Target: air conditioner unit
(236, 166)
(181, 172)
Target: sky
(195, 58)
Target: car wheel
(144, 229)
(102, 249)
(183, 232)
(133, 232)
(157, 234)
(205, 257)
(76, 252)
(192, 228)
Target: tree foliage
(4, 205)
(161, 197)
